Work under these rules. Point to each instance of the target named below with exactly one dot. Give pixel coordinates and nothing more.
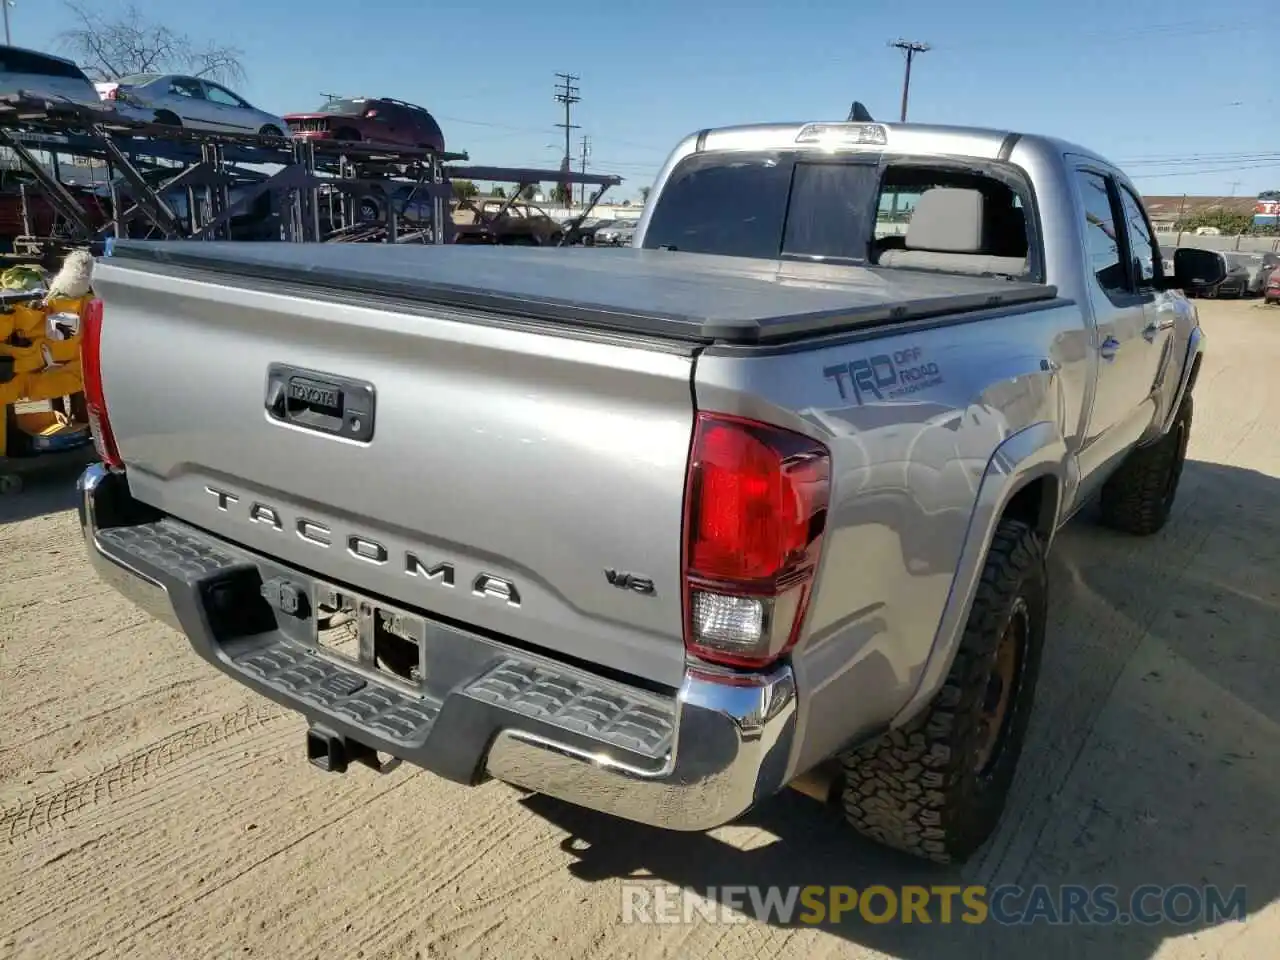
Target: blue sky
(1183, 94)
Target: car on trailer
(42, 75)
(191, 102)
(379, 120)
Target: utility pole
(1182, 207)
(8, 41)
(586, 152)
(910, 48)
(567, 93)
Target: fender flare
(1022, 458)
(1190, 370)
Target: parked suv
(372, 119)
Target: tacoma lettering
(359, 547)
(415, 568)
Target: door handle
(1150, 331)
(1108, 348)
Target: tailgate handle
(322, 402)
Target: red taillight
(756, 506)
(94, 398)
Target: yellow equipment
(38, 362)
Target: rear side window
(23, 61)
(1141, 242)
(711, 204)
(1102, 243)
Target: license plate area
(378, 637)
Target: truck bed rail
(667, 294)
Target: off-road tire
(1139, 496)
(920, 788)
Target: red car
(1272, 293)
(369, 119)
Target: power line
(567, 94)
(1244, 159)
(910, 48)
(1196, 173)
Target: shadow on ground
(1152, 759)
(44, 491)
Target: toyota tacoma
(663, 530)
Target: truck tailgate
(507, 471)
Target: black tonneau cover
(684, 296)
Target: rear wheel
(1139, 496)
(271, 131)
(347, 133)
(165, 118)
(936, 787)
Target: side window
(186, 87)
(1146, 256)
(1102, 242)
(225, 98)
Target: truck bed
(688, 297)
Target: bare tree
(110, 46)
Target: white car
(190, 102)
(43, 75)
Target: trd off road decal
(884, 376)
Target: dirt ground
(150, 807)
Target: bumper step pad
(613, 717)
(319, 682)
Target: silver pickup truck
(659, 530)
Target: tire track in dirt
(22, 817)
(286, 844)
(49, 731)
(141, 930)
(192, 828)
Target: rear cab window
(854, 209)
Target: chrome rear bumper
(691, 760)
